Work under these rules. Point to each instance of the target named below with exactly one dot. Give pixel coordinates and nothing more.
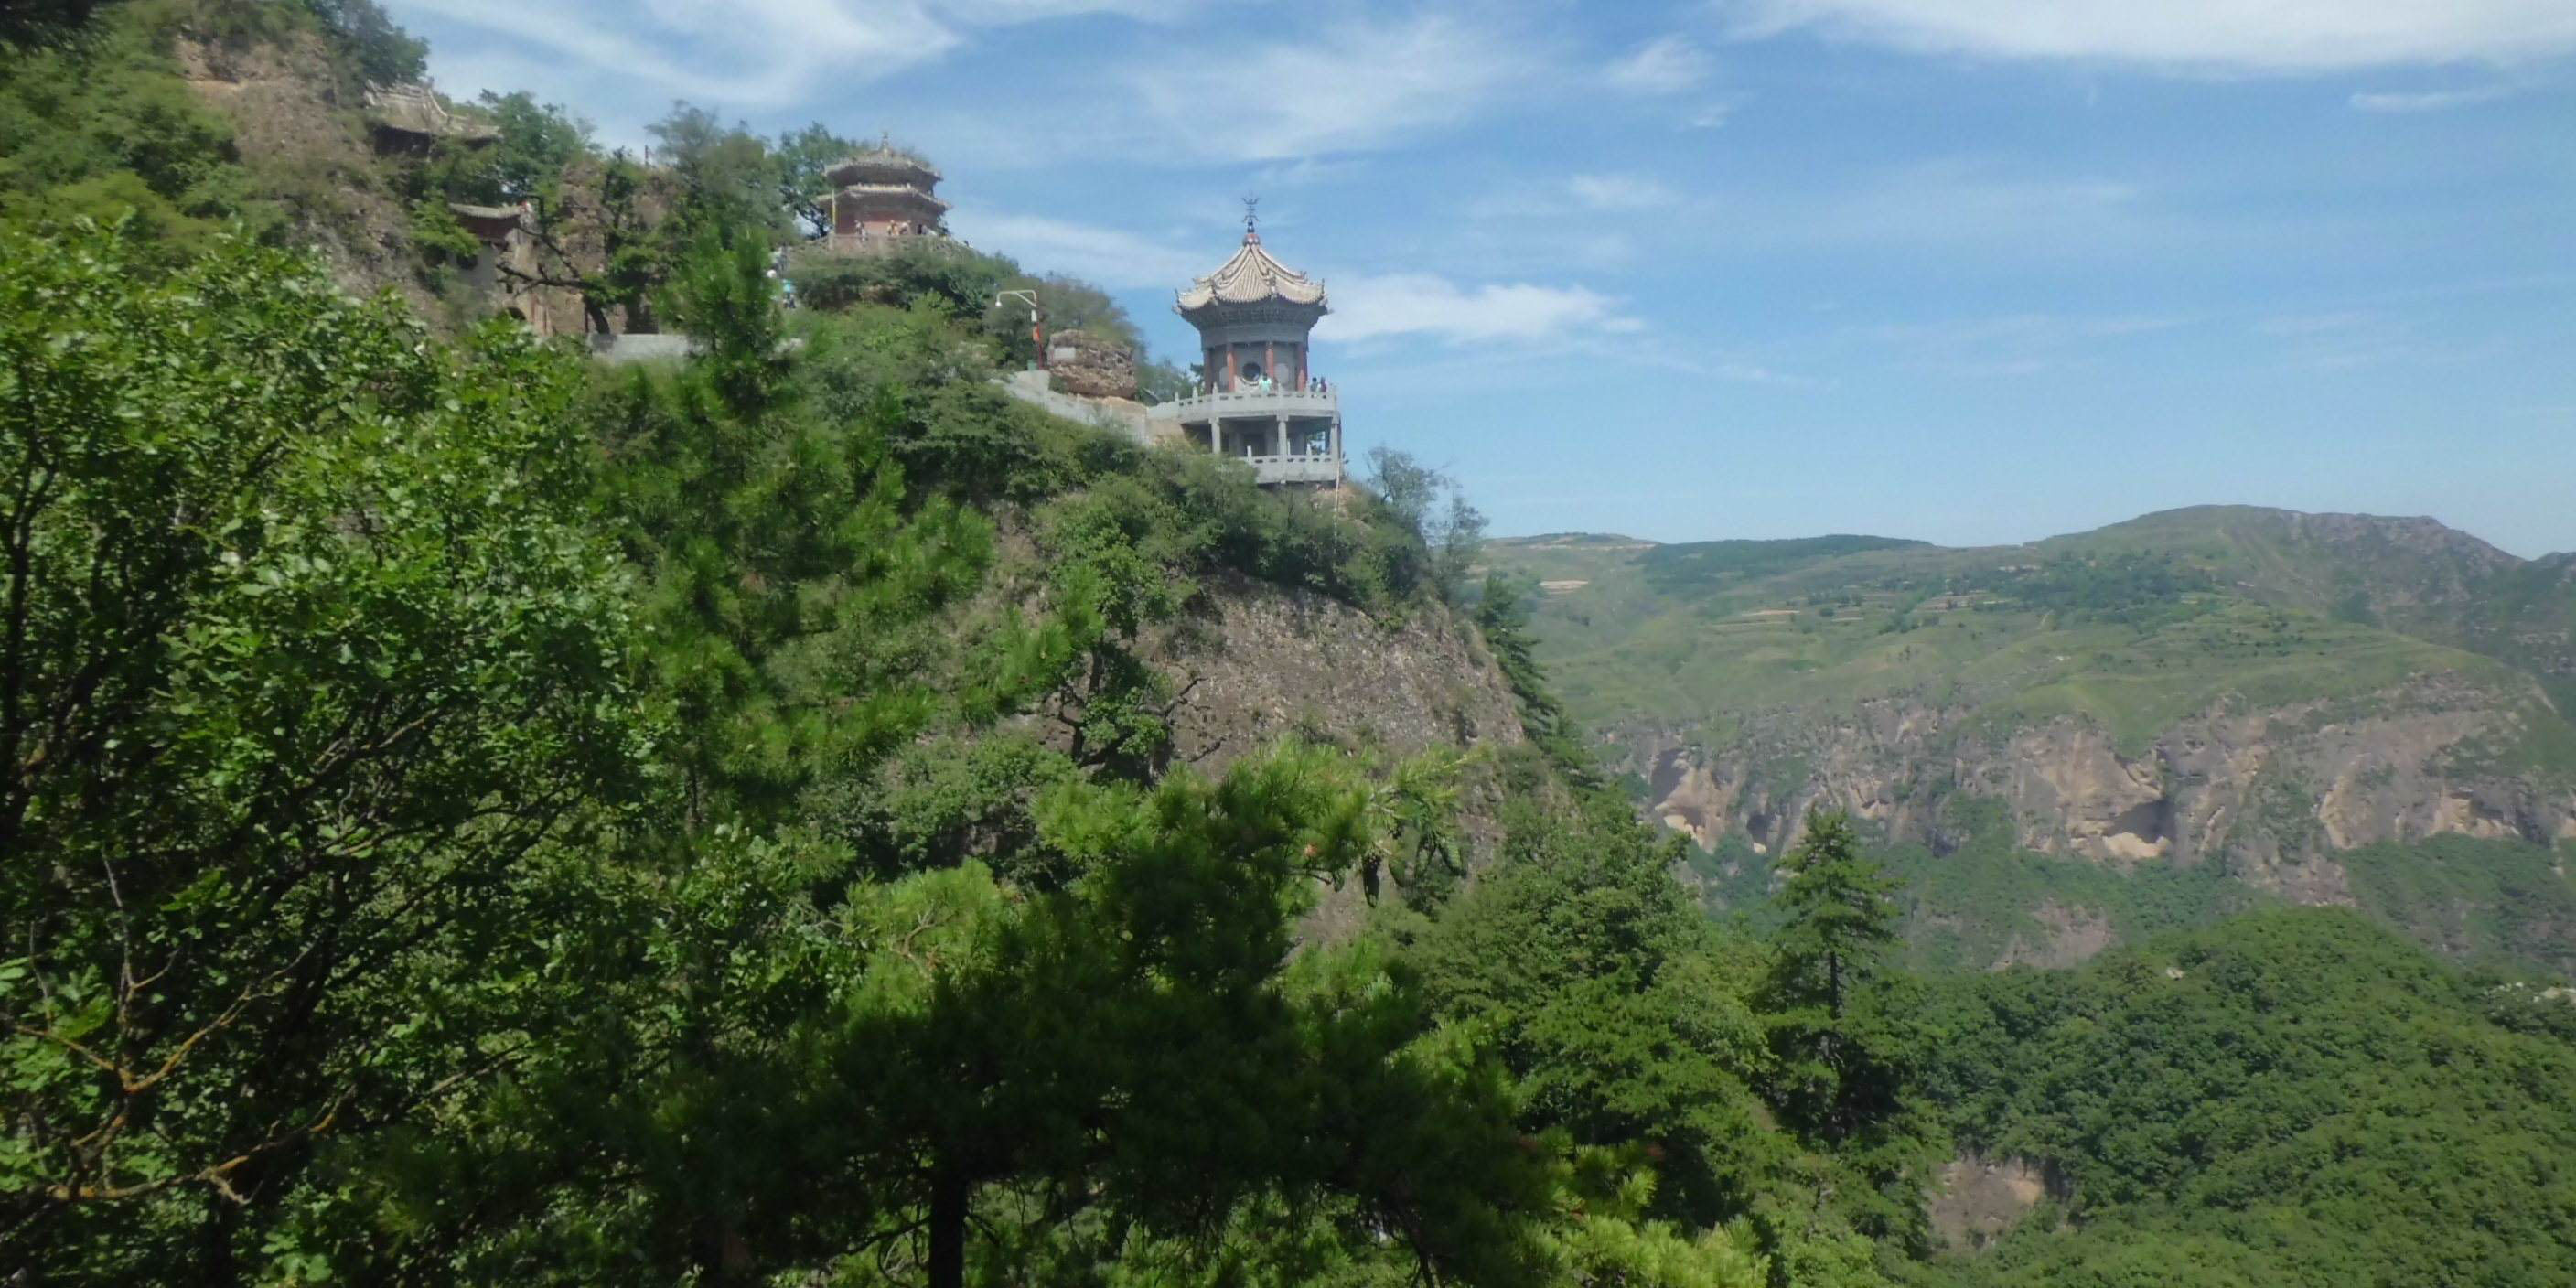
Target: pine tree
(1841, 920)
(1836, 1069)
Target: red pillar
(1270, 360)
(1229, 368)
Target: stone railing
(1320, 468)
(1255, 401)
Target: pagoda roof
(883, 164)
(1251, 277)
(891, 192)
(415, 108)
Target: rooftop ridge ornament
(1251, 278)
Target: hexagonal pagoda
(1258, 399)
(882, 195)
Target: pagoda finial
(1252, 221)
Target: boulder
(1091, 366)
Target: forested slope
(504, 820)
(796, 815)
(2292, 1098)
(2078, 740)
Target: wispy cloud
(2008, 345)
(1619, 192)
(1664, 65)
(1358, 87)
(1950, 200)
(2441, 100)
(2231, 35)
(753, 53)
(1111, 257)
(2310, 324)
(2342, 340)
(1709, 116)
(1427, 305)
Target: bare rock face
(1977, 1200)
(1091, 366)
(1268, 662)
(2273, 793)
(2071, 791)
(1263, 663)
(289, 109)
(2070, 937)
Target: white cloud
(1110, 257)
(746, 52)
(2229, 35)
(1361, 86)
(2431, 101)
(1952, 200)
(1422, 304)
(1713, 115)
(2008, 345)
(1664, 65)
(2296, 325)
(1619, 191)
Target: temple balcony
(1254, 404)
(1287, 436)
(1270, 471)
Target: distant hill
(2181, 713)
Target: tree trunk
(948, 1194)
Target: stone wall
(1091, 366)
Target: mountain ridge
(2254, 692)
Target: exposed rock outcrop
(1266, 662)
(1977, 1200)
(2069, 937)
(2274, 793)
(1091, 366)
(293, 116)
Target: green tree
(1429, 505)
(799, 160)
(1593, 979)
(790, 573)
(720, 177)
(1129, 1045)
(312, 672)
(1840, 919)
(1843, 1050)
(99, 124)
(1503, 619)
(381, 51)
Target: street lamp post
(1037, 332)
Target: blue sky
(1964, 270)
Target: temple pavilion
(881, 195)
(1258, 399)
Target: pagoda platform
(1285, 435)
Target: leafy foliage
(99, 124)
(482, 821)
(313, 674)
(2291, 1097)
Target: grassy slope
(2258, 609)
(1658, 633)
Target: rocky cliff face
(2272, 793)
(1262, 663)
(1266, 662)
(2326, 708)
(1976, 1200)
